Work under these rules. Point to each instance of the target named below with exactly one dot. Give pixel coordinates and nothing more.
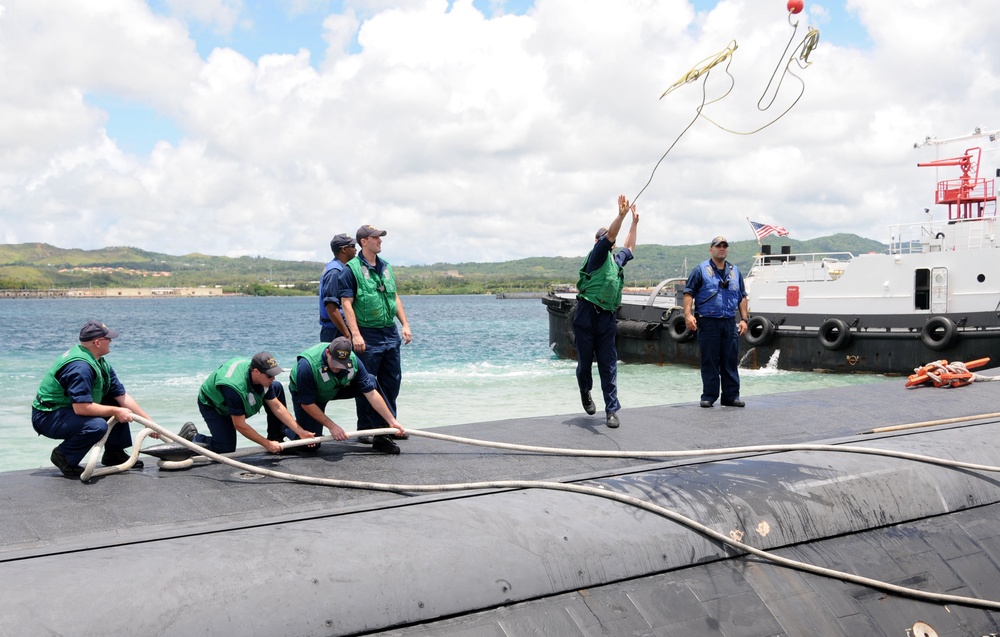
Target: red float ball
(795, 6)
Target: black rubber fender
(938, 333)
(677, 328)
(834, 334)
(759, 331)
(638, 329)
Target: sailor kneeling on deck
(329, 371)
(77, 396)
(234, 392)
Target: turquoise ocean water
(473, 358)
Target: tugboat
(934, 295)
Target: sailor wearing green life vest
(234, 392)
(77, 396)
(331, 371)
(595, 321)
(371, 309)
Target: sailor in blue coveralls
(595, 321)
(77, 396)
(331, 316)
(713, 296)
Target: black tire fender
(834, 334)
(677, 328)
(759, 331)
(938, 333)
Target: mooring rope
(592, 491)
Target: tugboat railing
(659, 286)
(799, 267)
(931, 236)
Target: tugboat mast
(969, 197)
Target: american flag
(764, 229)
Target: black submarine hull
(213, 550)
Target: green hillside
(652, 264)
(42, 266)
(39, 266)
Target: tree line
(37, 266)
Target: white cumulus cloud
(472, 136)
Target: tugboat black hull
(655, 335)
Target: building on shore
(162, 292)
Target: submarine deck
(226, 552)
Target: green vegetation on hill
(652, 264)
(39, 266)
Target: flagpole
(759, 245)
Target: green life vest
(52, 396)
(234, 374)
(375, 297)
(328, 385)
(602, 287)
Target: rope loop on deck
(91, 471)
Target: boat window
(922, 289)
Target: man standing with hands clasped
(595, 321)
(331, 317)
(713, 295)
(371, 307)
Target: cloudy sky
(476, 130)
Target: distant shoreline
(118, 293)
(217, 293)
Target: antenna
(979, 132)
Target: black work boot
(68, 470)
(385, 444)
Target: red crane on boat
(969, 196)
